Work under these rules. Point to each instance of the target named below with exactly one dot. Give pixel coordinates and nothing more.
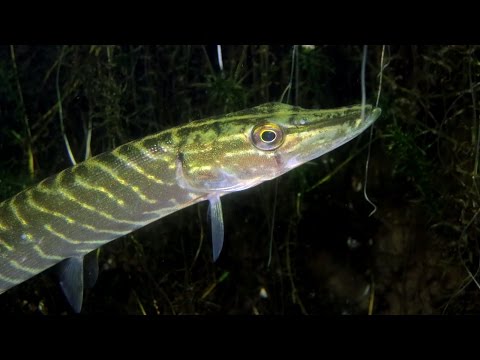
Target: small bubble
(352, 243)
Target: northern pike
(69, 215)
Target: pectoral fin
(71, 281)
(216, 218)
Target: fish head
(243, 149)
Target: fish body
(72, 213)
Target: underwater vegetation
(301, 244)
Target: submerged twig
(470, 276)
(290, 81)
(362, 80)
(60, 110)
(220, 59)
(31, 169)
(214, 285)
(270, 247)
(295, 297)
(197, 253)
(380, 76)
(88, 151)
(364, 95)
(474, 102)
(371, 300)
(139, 303)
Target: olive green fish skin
(114, 193)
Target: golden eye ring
(267, 136)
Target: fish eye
(267, 136)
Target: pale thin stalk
(31, 169)
(60, 111)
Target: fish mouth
(365, 123)
(333, 133)
(350, 118)
(373, 116)
(350, 129)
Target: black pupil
(268, 136)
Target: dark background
(417, 254)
